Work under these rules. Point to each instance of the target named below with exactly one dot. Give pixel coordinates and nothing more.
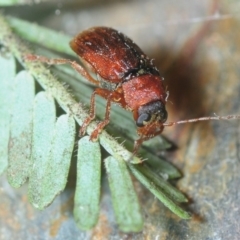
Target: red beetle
(126, 76)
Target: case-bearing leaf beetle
(126, 76)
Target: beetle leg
(144, 137)
(74, 65)
(91, 114)
(101, 125)
(110, 96)
(138, 143)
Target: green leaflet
(51, 151)
(21, 130)
(124, 198)
(163, 186)
(58, 164)
(35, 33)
(87, 195)
(7, 74)
(161, 195)
(10, 2)
(44, 115)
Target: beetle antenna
(216, 117)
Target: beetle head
(151, 112)
(150, 118)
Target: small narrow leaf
(158, 193)
(42, 35)
(160, 166)
(54, 178)
(161, 183)
(7, 74)
(44, 115)
(4, 3)
(125, 201)
(87, 195)
(21, 130)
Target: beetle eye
(143, 119)
(164, 116)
